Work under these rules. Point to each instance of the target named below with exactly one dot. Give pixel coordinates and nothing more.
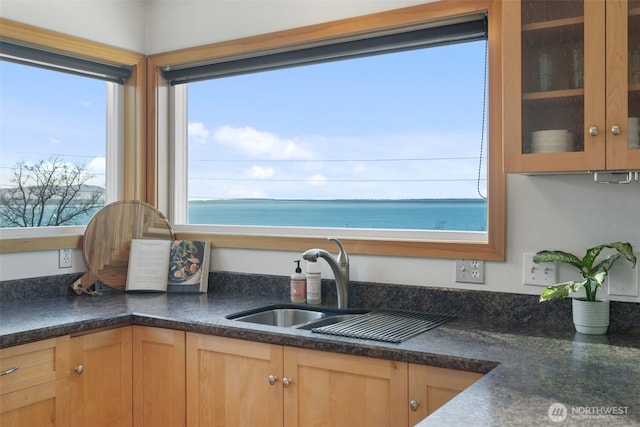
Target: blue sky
(45, 113)
(335, 130)
(323, 131)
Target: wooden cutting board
(107, 240)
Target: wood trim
(135, 147)
(512, 84)
(411, 248)
(23, 33)
(497, 190)
(36, 244)
(618, 155)
(324, 32)
(494, 249)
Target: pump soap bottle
(298, 285)
(314, 283)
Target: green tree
(48, 193)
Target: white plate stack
(549, 141)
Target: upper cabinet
(572, 85)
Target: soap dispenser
(298, 286)
(314, 283)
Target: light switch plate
(543, 274)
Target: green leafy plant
(594, 273)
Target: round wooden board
(107, 240)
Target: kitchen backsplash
(518, 310)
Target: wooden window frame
(147, 126)
(160, 112)
(138, 158)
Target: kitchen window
(67, 108)
(53, 136)
(248, 138)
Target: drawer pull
(79, 369)
(413, 405)
(272, 379)
(9, 371)
(286, 382)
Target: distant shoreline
(398, 214)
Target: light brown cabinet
(101, 381)
(145, 376)
(572, 74)
(244, 383)
(237, 382)
(331, 389)
(233, 382)
(158, 377)
(430, 387)
(34, 385)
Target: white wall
(187, 23)
(119, 23)
(568, 212)
(154, 26)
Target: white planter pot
(591, 317)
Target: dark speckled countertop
(526, 370)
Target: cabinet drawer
(41, 405)
(34, 363)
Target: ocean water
(416, 214)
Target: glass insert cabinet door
(553, 76)
(575, 65)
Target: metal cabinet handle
(593, 131)
(286, 382)
(413, 405)
(273, 379)
(10, 370)
(615, 129)
(79, 369)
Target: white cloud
(85, 104)
(197, 132)
(260, 172)
(261, 144)
(97, 167)
(54, 140)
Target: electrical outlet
(543, 274)
(65, 258)
(469, 271)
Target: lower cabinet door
(233, 382)
(331, 389)
(45, 405)
(158, 377)
(101, 379)
(430, 387)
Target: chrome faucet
(340, 268)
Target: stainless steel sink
(292, 315)
(282, 316)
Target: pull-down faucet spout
(339, 267)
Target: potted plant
(590, 315)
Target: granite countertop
(525, 373)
